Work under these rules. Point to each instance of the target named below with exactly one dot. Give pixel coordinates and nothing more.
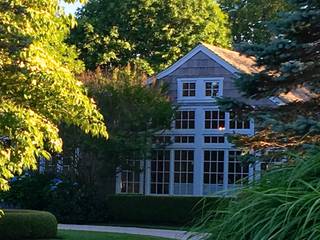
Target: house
(200, 160)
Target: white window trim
(220, 91)
(200, 95)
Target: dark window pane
(206, 155)
(153, 188)
(206, 166)
(206, 178)
(191, 139)
(207, 139)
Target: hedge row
(27, 224)
(159, 209)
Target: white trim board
(197, 49)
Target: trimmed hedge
(27, 224)
(166, 210)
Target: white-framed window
(184, 139)
(130, 177)
(183, 172)
(199, 89)
(238, 171)
(213, 139)
(213, 167)
(160, 172)
(185, 120)
(188, 89)
(213, 88)
(214, 120)
(236, 123)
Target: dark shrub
(159, 209)
(27, 224)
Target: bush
(27, 224)
(166, 210)
(70, 202)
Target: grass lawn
(83, 235)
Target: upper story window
(212, 89)
(199, 89)
(214, 120)
(189, 89)
(236, 123)
(185, 120)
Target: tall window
(214, 120)
(212, 89)
(160, 172)
(183, 171)
(130, 177)
(238, 171)
(213, 167)
(188, 89)
(185, 120)
(236, 123)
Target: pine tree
(290, 63)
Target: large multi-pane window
(160, 172)
(213, 167)
(183, 172)
(236, 123)
(214, 119)
(213, 171)
(189, 89)
(185, 119)
(238, 170)
(212, 89)
(130, 177)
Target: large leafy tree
(133, 114)
(289, 66)
(248, 18)
(154, 33)
(38, 88)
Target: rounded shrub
(27, 224)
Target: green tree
(289, 64)
(249, 19)
(152, 33)
(133, 113)
(38, 88)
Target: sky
(70, 8)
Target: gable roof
(232, 61)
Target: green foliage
(159, 210)
(289, 63)
(153, 33)
(27, 224)
(69, 201)
(133, 113)
(38, 88)
(249, 18)
(285, 204)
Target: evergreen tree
(290, 64)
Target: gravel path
(172, 234)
